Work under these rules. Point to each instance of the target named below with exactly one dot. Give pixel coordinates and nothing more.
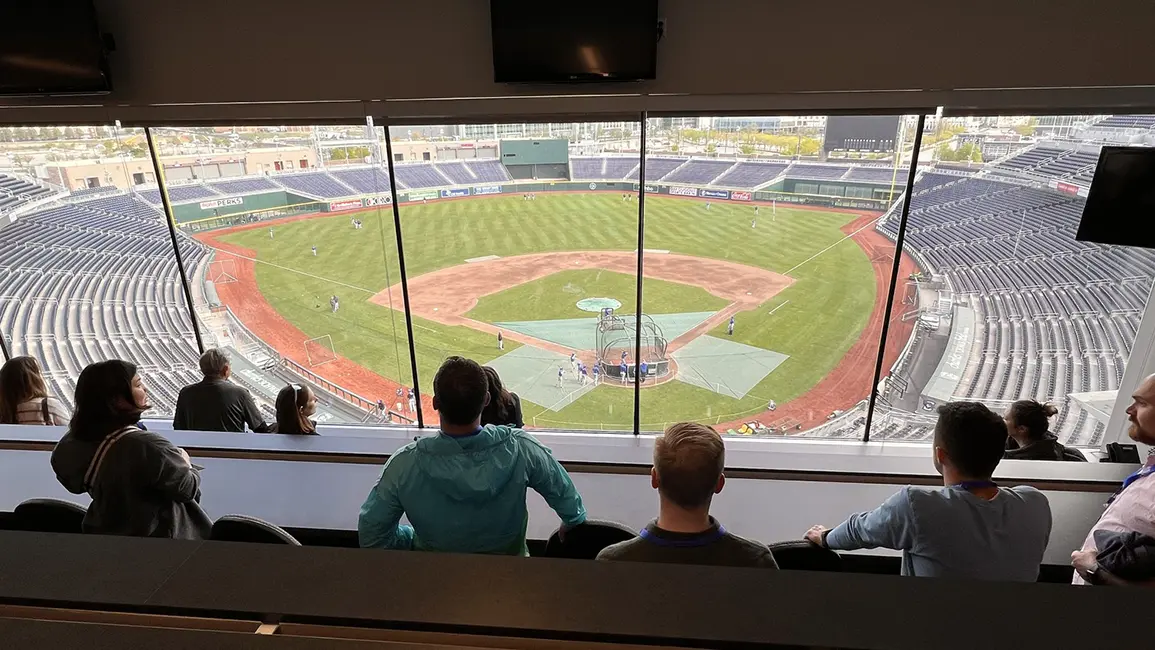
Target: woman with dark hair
(504, 407)
(1028, 438)
(24, 398)
(141, 485)
(295, 403)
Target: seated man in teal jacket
(464, 489)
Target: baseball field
(801, 284)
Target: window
(529, 242)
(398, 157)
(425, 155)
(88, 266)
(295, 272)
(765, 289)
(1008, 305)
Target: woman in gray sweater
(141, 484)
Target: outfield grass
(824, 310)
(555, 296)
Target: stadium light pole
(158, 169)
(638, 301)
(401, 268)
(894, 272)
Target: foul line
(814, 256)
(291, 270)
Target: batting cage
(616, 340)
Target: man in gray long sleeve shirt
(970, 528)
(215, 403)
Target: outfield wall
(232, 211)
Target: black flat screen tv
(51, 47)
(1120, 205)
(557, 42)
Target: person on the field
(560, 376)
(270, 233)
(643, 369)
(624, 371)
(597, 371)
(500, 341)
(295, 403)
(689, 459)
(314, 251)
(464, 489)
(412, 401)
(730, 328)
(969, 528)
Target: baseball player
(334, 303)
(755, 211)
(560, 376)
(500, 341)
(270, 233)
(573, 362)
(707, 205)
(584, 374)
(314, 251)
(643, 368)
(730, 329)
(597, 372)
(624, 370)
(754, 222)
(412, 401)
(623, 356)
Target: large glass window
(1008, 304)
(766, 275)
(293, 261)
(520, 247)
(86, 263)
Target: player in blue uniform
(314, 251)
(730, 329)
(584, 372)
(560, 375)
(597, 371)
(624, 370)
(643, 369)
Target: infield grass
(820, 315)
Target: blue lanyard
(1146, 469)
(975, 485)
(701, 540)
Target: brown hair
(973, 437)
(290, 419)
(500, 409)
(1034, 416)
(689, 458)
(20, 381)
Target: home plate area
(716, 364)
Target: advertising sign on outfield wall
(421, 195)
(482, 190)
(650, 189)
(714, 194)
(337, 206)
(680, 190)
(740, 196)
(220, 203)
(380, 199)
(447, 194)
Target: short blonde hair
(689, 458)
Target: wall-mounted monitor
(51, 47)
(1121, 202)
(558, 42)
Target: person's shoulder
(626, 550)
(752, 551)
(1028, 494)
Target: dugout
(536, 158)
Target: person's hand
(1085, 562)
(817, 535)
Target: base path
(850, 381)
(246, 301)
(446, 295)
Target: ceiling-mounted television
(51, 47)
(1120, 205)
(537, 41)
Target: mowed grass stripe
(829, 303)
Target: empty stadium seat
(49, 516)
(240, 528)
(585, 541)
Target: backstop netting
(319, 350)
(222, 271)
(616, 333)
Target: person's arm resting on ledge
(890, 525)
